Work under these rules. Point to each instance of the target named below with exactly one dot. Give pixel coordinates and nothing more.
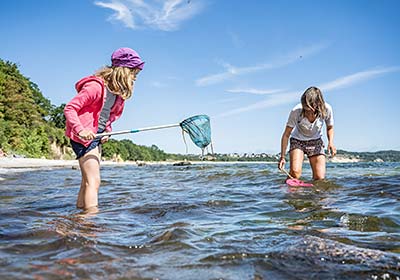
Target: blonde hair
(119, 80)
(312, 98)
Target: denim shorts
(80, 150)
(311, 148)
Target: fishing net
(199, 130)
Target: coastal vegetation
(127, 150)
(31, 126)
(29, 123)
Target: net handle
(136, 130)
(141, 129)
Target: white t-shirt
(303, 128)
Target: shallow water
(220, 221)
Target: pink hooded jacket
(83, 111)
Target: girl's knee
(93, 182)
(296, 173)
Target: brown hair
(119, 80)
(312, 98)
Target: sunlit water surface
(206, 221)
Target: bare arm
(330, 133)
(284, 144)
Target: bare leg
(296, 162)
(90, 169)
(80, 201)
(318, 166)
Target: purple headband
(126, 57)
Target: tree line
(29, 123)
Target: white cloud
(276, 100)
(122, 13)
(158, 84)
(289, 97)
(356, 78)
(226, 100)
(163, 15)
(254, 91)
(232, 71)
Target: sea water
(202, 221)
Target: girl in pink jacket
(99, 102)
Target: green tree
(57, 116)
(29, 123)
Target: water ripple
(206, 221)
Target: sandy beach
(8, 162)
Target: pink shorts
(311, 148)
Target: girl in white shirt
(304, 129)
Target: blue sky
(243, 63)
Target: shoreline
(23, 163)
(35, 163)
(16, 163)
(10, 165)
